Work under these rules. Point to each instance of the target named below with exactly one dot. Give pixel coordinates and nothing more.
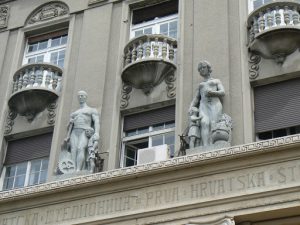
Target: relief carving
(170, 81)
(4, 10)
(126, 89)
(254, 61)
(48, 12)
(51, 113)
(10, 121)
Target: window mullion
(27, 174)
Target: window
(255, 4)
(25, 174)
(156, 19)
(277, 107)
(26, 161)
(145, 130)
(46, 48)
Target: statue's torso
(82, 118)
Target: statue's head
(82, 96)
(204, 68)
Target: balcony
(274, 30)
(148, 60)
(34, 87)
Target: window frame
(27, 174)
(149, 135)
(154, 24)
(46, 52)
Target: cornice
(153, 168)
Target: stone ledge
(152, 168)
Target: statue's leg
(81, 151)
(192, 142)
(205, 130)
(73, 144)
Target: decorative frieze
(170, 81)
(153, 168)
(48, 12)
(10, 121)
(254, 61)
(4, 13)
(126, 89)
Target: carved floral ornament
(47, 12)
(4, 11)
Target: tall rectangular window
(277, 107)
(48, 48)
(26, 161)
(148, 129)
(157, 19)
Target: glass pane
(34, 178)
(143, 130)
(130, 153)
(157, 140)
(279, 133)
(129, 162)
(64, 39)
(53, 57)
(10, 171)
(257, 3)
(138, 33)
(8, 183)
(61, 54)
(169, 124)
(148, 30)
(43, 176)
(265, 135)
(40, 58)
(43, 45)
(60, 63)
(21, 168)
(170, 138)
(31, 60)
(45, 164)
(55, 42)
(160, 126)
(35, 166)
(32, 47)
(164, 29)
(131, 133)
(19, 181)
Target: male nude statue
(82, 130)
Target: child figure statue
(194, 128)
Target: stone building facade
(137, 61)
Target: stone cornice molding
(153, 168)
(223, 221)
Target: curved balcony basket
(274, 30)
(148, 60)
(35, 86)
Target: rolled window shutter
(47, 36)
(277, 105)
(149, 118)
(27, 149)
